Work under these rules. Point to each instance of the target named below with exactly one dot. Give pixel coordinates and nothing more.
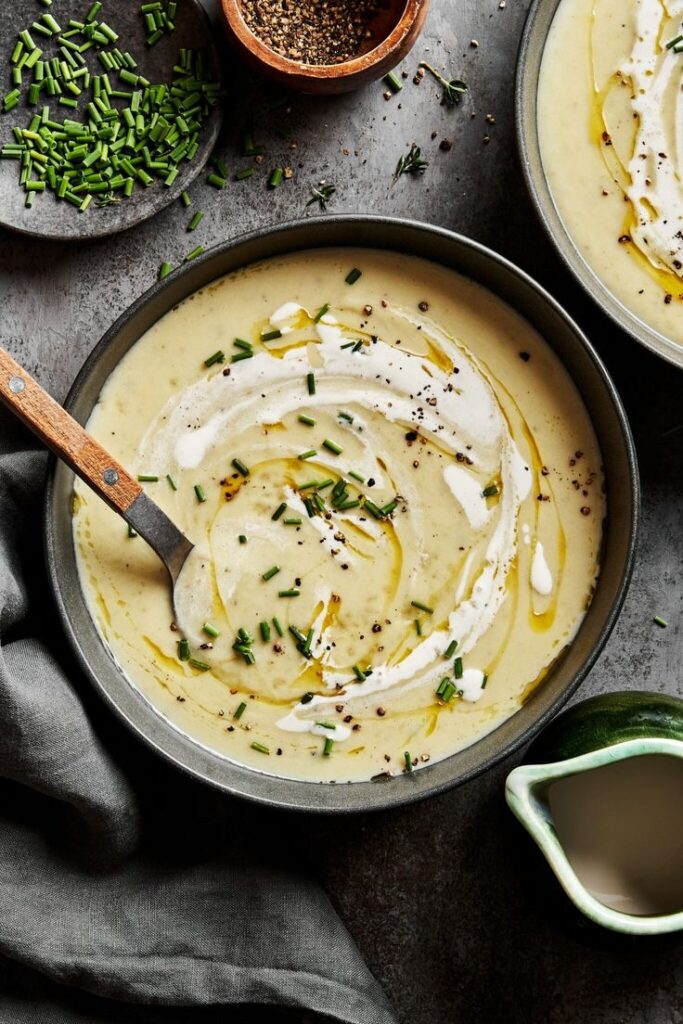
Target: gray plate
(526, 88)
(613, 433)
(50, 218)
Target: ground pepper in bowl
(313, 31)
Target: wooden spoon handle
(64, 436)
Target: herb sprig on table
(411, 162)
(321, 194)
(453, 88)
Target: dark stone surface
(50, 219)
(453, 911)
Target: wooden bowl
(393, 33)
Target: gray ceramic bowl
(526, 88)
(581, 361)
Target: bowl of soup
(598, 100)
(413, 493)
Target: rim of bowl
(529, 58)
(515, 287)
(232, 11)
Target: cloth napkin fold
(114, 905)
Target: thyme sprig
(411, 162)
(453, 89)
(321, 194)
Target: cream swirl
(458, 418)
(655, 189)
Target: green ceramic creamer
(602, 797)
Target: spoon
(70, 442)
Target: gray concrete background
(454, 914)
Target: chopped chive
(217, 357)
(451, 649)
(183, 650)
(423, 607)
(196, 219)
(357, 347)
(345, 416)
(265, 632)
(269, 573)
(311, 453)
(240, 356)
(282, 507)
(349, 344)
(276, 178)
(373, 509)
(488, 492)
(659, 621)
(199, 491)
(260, 747)
(271, 335)
(201, 666)
(323, 484)
(195, 252)
(240, 467)
(344, 506)
(418, 627)
(292, 521)
(245, 172)
(310, 507)
(387, 509)
(185, 199)
(242, 538)
(245, 345)
(484, 681)
(217, 181)
(306, 698)
(353, 275)
(393, 82)
(292, 592)
(445, 690)
(359, 673)
(131, 532)
(146, 478)
(308, 420)
(310, 380)
(321, 313)
(332, 446)
(327, 747)
(164, 270)
(326, 725)
(210, 630)
(673, 42)
(357, 476)
(241, 708)
(278, 627)
(409, 761)
(457, 668)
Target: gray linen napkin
(114, 905)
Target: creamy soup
(396, 497)
(610, 102)
(621, 827)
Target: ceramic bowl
(529, 61)
(603, 404)
(394, 32)
(597, 732)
